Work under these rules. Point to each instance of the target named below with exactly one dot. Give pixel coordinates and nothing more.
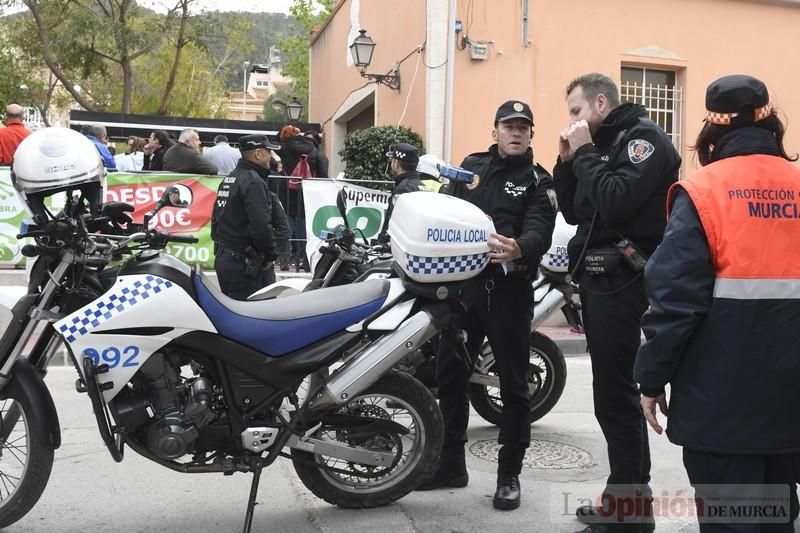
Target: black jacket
(243, 212)
(291, 149)
(403, 183)
(731, 363)
(280, 224)
(181, 158)
(625, 176)
(514, 192)
(155, 161)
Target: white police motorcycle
(198, 382)
(342, 259)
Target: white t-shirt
(129, 162)
(224, 156)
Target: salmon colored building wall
(699, 39)
(397, 29)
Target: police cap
(737, 100)
(404, 152)
(252, 142)
(513, 109)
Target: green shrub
(365, 150)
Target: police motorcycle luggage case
(439, 238)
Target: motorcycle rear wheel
(26, 460)
(397, 397)
(547, 375)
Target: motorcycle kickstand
(251, 502)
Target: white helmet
(429, 164)
(52, 160)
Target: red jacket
(10, 137)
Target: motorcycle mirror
(178, 195)
(341, 205)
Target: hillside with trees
(114, 55)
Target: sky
(268, 6)
(260, 6)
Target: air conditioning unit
(479, 51)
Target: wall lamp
(361, 49)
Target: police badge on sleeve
(639, 150)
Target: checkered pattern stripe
(724, 119)
(446, 265)
(112, 305)
(559, 259)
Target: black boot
(589, 514)
(452, 470)
(507, 495)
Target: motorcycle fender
(279, 289)
(26, 381)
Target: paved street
(89, 492)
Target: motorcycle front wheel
(547, 375)
(25, 460)
(397, 397)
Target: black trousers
(613, 332)
(502, 315)
(234, 281)
(707, 470)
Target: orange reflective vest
(737, 388)
(750, 210)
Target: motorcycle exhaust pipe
(376, 359)
(552, 302)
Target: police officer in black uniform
(404, 158)
(614, 169)
(518, 195)
(242, 222)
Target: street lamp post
(244, 86)
(292, 110)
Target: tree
(365, 150)
(309, 14)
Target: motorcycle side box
(439, 238)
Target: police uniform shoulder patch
(476, 180)
(551, 195)
(639, 150)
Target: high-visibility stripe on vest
(752, 230)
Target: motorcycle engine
(164, 408)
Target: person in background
(404, 158)
(97, 134)
(154, 150)
(293, 146)
(316, 138)
(721, 328)
(13, 133)
(133, 158)
(241, 222)
(185, 156)
(223, 155)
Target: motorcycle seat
(279, 326)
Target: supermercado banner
(140, 190)
(365, 210)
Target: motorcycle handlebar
(188, 239)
